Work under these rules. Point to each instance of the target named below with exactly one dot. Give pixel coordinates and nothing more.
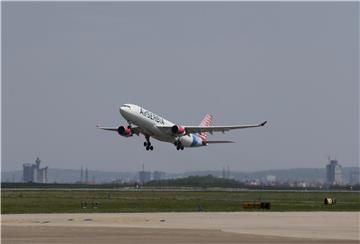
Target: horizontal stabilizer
(213, 142)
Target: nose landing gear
(147, 144)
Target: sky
(68, 66)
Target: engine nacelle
(124, 131)
(176, 129)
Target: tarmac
(198, 227)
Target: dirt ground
(244, 227)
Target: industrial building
(333, 173)
(33, 172)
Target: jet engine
(176, 129)
(125, 131)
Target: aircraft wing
(135, 130)
(107, 128)
(211, 129)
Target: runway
(206, 227)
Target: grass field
(69, 200)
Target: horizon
(212, 170)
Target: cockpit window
(125, 106)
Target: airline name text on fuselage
(152, 116)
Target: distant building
(354, 177)
(333, 173)
(144, 176)
(271, 178)
(33, 172)
(28, 172)
(159, 175)
(42, 175)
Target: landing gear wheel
(147, 143)
(178, 145)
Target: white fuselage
(148, 121)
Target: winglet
(263, 123)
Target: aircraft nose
(124, 109)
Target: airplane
(143, 121)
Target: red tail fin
(207, 120)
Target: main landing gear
(178, 145)
(147, 144)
